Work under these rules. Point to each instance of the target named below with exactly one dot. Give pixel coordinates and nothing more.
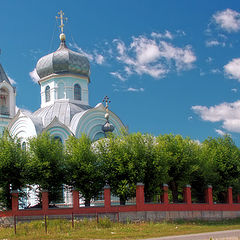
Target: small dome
(63, 60)
(107, 127)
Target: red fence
(139, 206)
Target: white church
(65, 110)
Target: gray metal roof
(63, 60)
(62, 109)
(3, 75)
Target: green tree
(12, 162)
(181, 154)
(129, 159)
(149, 162)
(119, 169)
(84, 169)
(46, 164)
(221, 165)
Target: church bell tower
(7, 100)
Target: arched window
(4, 102)
(47, 93)
(24, 145)
(77, 92)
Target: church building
(65, 110)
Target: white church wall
(23, 128)
(65, 90)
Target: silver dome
(62, 109)
(63, 60)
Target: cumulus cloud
(232, 69)
(153, 57)
(118, 75)
(99, 59)
(220, 132)
(228, 20)
(213, 43)
(227, 113)
(234, 90)
(92, 56)
(130, 89)
(167, 35)
(215, 71)
(34, 76)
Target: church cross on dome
(61, 14)
(107, 101)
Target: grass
(105, 229)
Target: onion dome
(63, 60)
(107, 127)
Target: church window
(4, 99)
(47, 93)
(24, 145)
(77, 92)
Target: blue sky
(168, 66)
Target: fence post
(208, 195)
(165, 194)
(238, 198)
(229, 196)
(107, 196)
(45, 202)
(75, 195)
(187, 198)
(14, 194)
(140, 196)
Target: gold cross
(107, 101)
(61, 14)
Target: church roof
(3, 75)
(64, 110)
(63, 60)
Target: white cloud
(34, 76)
(153, 56)
(234, 90)
(228, 20)
(130, 89)
(93, 57)
(232, 69)
(84, 53)
(213, 43)
(12, 81)
(215, 71)
(220, 132)
(118, 75)
(190, 118)
(99, 59)
(228, 113)
(167, 35)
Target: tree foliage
(221, 164)
(83, 167)
(181, 160)
(120, 161)
(12, 165)
(46, 164)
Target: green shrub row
(120, 161)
